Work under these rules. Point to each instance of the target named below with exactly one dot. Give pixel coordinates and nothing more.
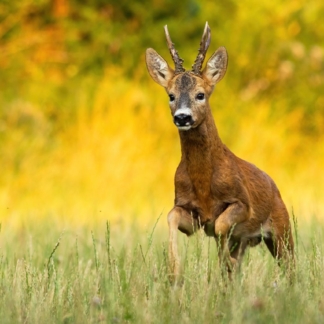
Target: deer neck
(201, 147)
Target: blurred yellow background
(86, 135)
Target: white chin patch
(184, 127)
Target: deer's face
(189, 91)
(188, 100)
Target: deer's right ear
(158, 68)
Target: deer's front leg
(178, 219)
(234, 214)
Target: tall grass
(113, 276)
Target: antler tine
(204, 44)
(174, 53)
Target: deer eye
(200, 96)
(172, 97)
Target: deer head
(188, 91)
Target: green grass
(117, 274)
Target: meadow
(88, 153)
(115, 275)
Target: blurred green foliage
(276, 49)
(73, 71)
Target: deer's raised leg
(178, 219)
(234, 214)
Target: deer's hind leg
(279, 240)
(178, 219)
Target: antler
(174, 53)
(204, 44)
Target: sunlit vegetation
(85, 132)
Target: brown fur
(230, 198)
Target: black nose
(183, 120)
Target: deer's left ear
(158, 68)
(216, 67)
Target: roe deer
(231, 199)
